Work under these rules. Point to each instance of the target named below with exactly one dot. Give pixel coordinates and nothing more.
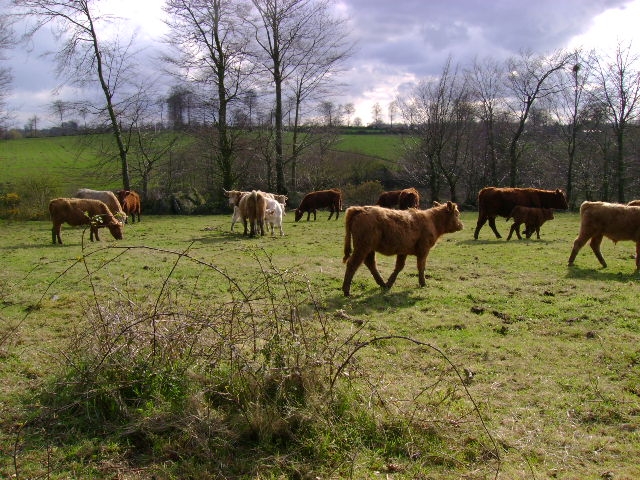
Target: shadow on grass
(599, 273)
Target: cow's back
(615, 221)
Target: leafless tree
(484, 79)
(440, 110)
(376, 112)
(87, 56)
(529, 79)
(7, 41)
(300, 46)
(349, 109)
(619, 92)
(212, 44)
(568, 108)
(59, 108)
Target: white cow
(273, 215)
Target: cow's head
(561, 200)
(298, 214)
(451, 220)
(547, 213)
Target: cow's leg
(511, 230)
(481, 221)
(55, 234)
(370, 262)
(517, 225)
(596, 240)
(353, 263)
(422, 264)
(400, 261)
(330, 213)
(314, 214)
(93, 233)
(537, 233)
(577, 245)
(492, 224)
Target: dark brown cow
(611, 220)
(494, 202)
(394, 232)
(331, 199)
(533, 219)
(130, 202)
(82, 211)
(403, 199)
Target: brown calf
(611, 220)
(533, 218)
(130, 202)
(394, 232)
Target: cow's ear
(450, 206)
(435, 204)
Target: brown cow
(253, 207)
(611, 220)
(493, 202)
(533, 218)
(82, 211)
(331, 199)
(130, 202)
(394, 232)
(403, 199)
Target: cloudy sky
(398, 42)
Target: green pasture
(508, 364)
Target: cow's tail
(347, 234)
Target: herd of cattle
(394, 226)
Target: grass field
(507, 365)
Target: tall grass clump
(262, 380)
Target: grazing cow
(394, 232)
(611, 220)
(331, 199)
(273, 215)
(493, 202)
(82, 211)
(532, 217)
(130, 203)
(403, 199)
(109, 198)
(252, 208)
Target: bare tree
(59, 108)
(441, 112)
(393, 109)
(376, 112)
(619, 91)
(7, 40)
(212, 44)
(485, 82)
(569, 108)
(86, 56)
(349, 109)
(300, 45)
(530, 78)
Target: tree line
(252, 83)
